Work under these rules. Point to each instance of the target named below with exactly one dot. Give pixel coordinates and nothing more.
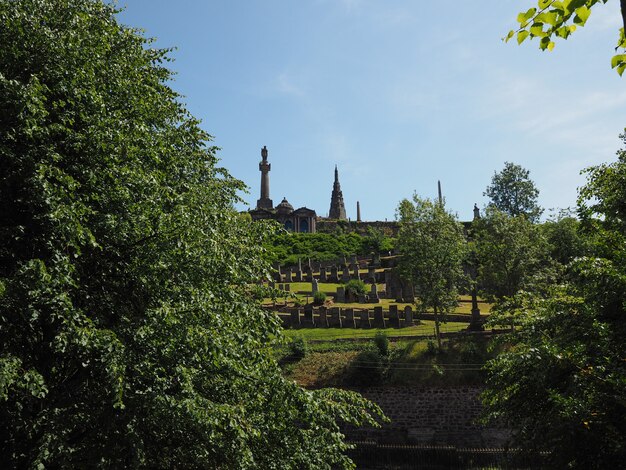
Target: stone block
(379, 319)
(408, 316)
(394, 319)
(341, 295)
(348, 319)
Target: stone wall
(429, 416)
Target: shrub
(355, 287)
(319, 298)
(382, 343)
(432, 347)
(298, 347)
(366, 370)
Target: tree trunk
(437, 332)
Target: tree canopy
(433, 247)
(552, 19)
(128, 333)
(513, 192)
(561, 381)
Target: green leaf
(521, 36)
(537, 30)
(583, 14)
(616, 60)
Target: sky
(397, 93)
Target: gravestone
(314, 286)
(334, 319)
(333, 274)
(408, 316)
(322, 320)
(287, 288)
(408, 294)
(308, 276)
(353, 260)
(371, 275)
(355, 272)
(295, 318)
(323, 274)
(288, 275)
(348, 320)
(365, 319)
(379, 319)
(361, 298)
(281, 287)
(394, 319)
(345, 277)
(307, 319)
(374, 299)
(298, 275)
(278, 275)
(341, 295)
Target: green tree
(129, 336)
(558, 19)
(561, 381)
(511, 252)
(513, 192)
(565, 238)
(433, 247)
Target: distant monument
(264, 167)
(337, 207)
(301, 220)
(476, 212)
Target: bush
(366, 370)
(433, 350)
(298, 347)
(382, 343)
(319, 298)
(355, 287)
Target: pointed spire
(439, 191)
(337, 208)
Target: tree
(433, 247)
(129, 336)
(561, 382)
(511, 253)
(556, 18)
(564, 236)
(513, 192)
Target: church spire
(337, 207)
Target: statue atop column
(264, 167)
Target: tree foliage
(128, 333)
(512, 254)
(433, 246)
(552, 19)
(561, 385)
(513, 192)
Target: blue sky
(399, 94)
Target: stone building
(302, 220)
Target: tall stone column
(264, 167)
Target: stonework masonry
(430, 416)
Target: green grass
(410, 362)
(426, 327)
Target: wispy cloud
(286, 84)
